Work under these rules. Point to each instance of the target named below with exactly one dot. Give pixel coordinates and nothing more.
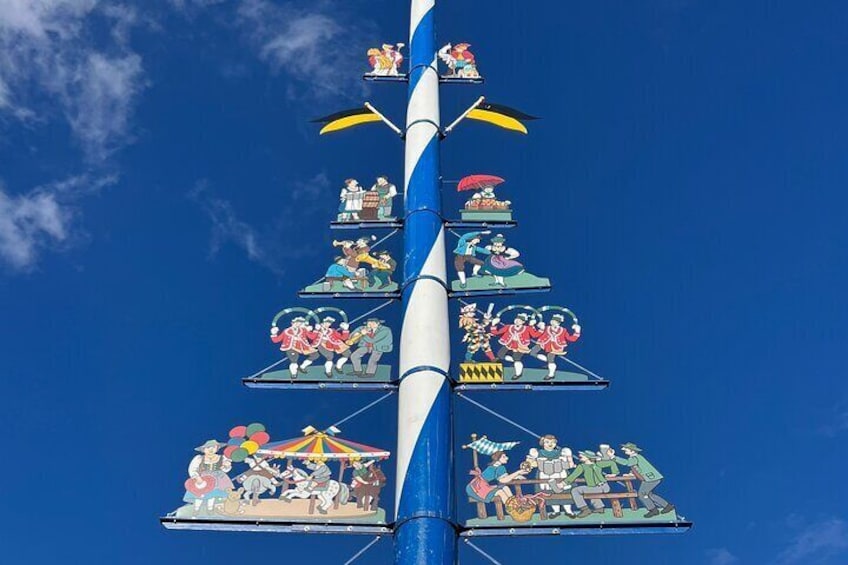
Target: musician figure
(553, 341)
(296, 340)
(515, 340)
(351, 198)
(376, 339)
(382, 272)
(330, 341)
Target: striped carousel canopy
(323, 444)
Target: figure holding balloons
(208, 481)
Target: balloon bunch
(245, 441)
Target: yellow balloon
(250, 446)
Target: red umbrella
(476, 182)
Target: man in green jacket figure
(596, 483)
(650, 479)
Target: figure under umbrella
(484, 205)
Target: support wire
(359, 553)
(363, 409)
(481, 552)
(497, 415)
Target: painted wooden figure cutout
(494, 266)
(358, 269)
(461, 62)
(373, 205)
(305, 489)
(386, 60)
(499, 345)
(483, 205)
(553, 486)
(322, 345)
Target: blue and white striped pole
(424, 531)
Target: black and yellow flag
(501, 116)
(346, 119)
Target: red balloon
(228, 451)
(238, 431)
(261, 438)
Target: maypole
(330, 484)
(424, 531)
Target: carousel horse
(368, 495)
(304, 487)
(259, 479)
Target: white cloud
(41, 218)
(49, 58)
(816, 542)
(721, 556)
(312, 45)
(277, 240)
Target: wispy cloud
(49, 58)
(837, 425)
(816, 542)
(277, 242)
(41, 218)
(311, 44)
(721, 556)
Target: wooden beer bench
(615, 498)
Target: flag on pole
(501, 116)
(484, 446)
(346, 119)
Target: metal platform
(173, 523)
(547, 386)
(405, 78)
(481, 225)
(381, 78)
(497, 292)
(457, 80)
(331, 294)
(367, 225)
(294, 385)
(577, 529)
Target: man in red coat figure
(329, 341)
(515, 340)
(296, 340)
(554, 341)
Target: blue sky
(162, 196)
